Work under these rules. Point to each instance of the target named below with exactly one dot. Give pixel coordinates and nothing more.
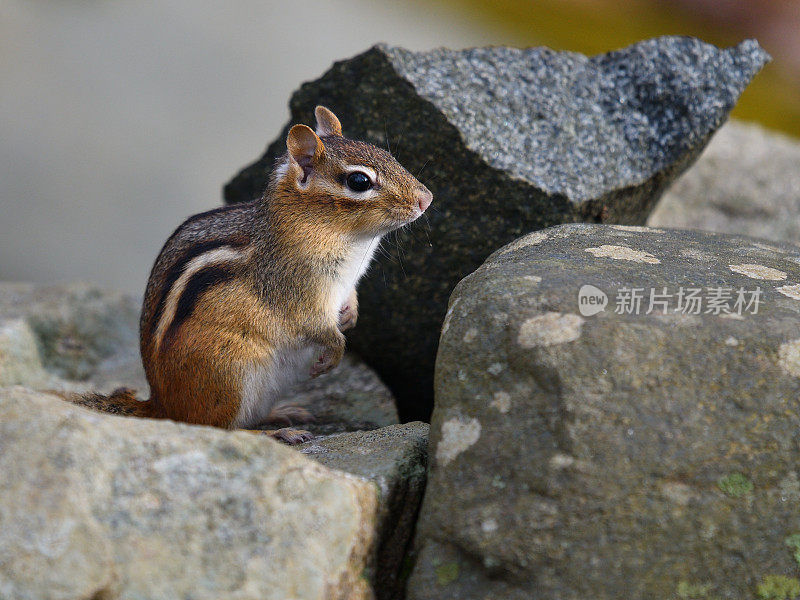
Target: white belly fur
(265, 385)
(351, 271)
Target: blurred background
(120, 119)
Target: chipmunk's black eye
(358, 181)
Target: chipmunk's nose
(424, 197)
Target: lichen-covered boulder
(616, 417)
(395, 459)
(99, 506)
(509, 141)
(78, 337)
(746, 181)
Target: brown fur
(122, 401)
(275, 293)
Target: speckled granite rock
(78, 337)
(395, 459)
(747, 181)
(97, 506)
(509, 141)
(615, 454)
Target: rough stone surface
(615, 455)
(67, 334)
(395, 459)
(97, 506)
(78, 337)
(349, 398)
(509, 141)
(746, 181)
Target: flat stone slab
(588, 445)
(98, 506)
(509, 141)
(395, 459)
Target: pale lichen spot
(637, 228)
(678, 319)
(758, 272)
(677, 492)
(792, 291)
(561, 461)
(462, 375)
(789, 487)
(534, 278)
(623, 253)
(573, 229)
(789, 357)
(732, 316)
(501, 401)
(773, 249)
(470, 335)
(532, 239)
(695, 254)
(489, 525)
(457, 436)
(731, 341)
(549, 329)
(495, 368)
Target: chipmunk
(246, 299)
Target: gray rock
(82, 334)
(509, 141)
(746, 181)
(617, 454)
(78, 338)
(20, 360)
(395, 459)
(97, 506)
(349, 398)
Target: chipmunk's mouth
(400, 218)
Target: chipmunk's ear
(305, 148)
(327, 123)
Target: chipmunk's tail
(122, 401)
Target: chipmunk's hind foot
(290, 436)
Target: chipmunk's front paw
(348, 313)
(347, 317)
(332, 343)
(290, 436)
